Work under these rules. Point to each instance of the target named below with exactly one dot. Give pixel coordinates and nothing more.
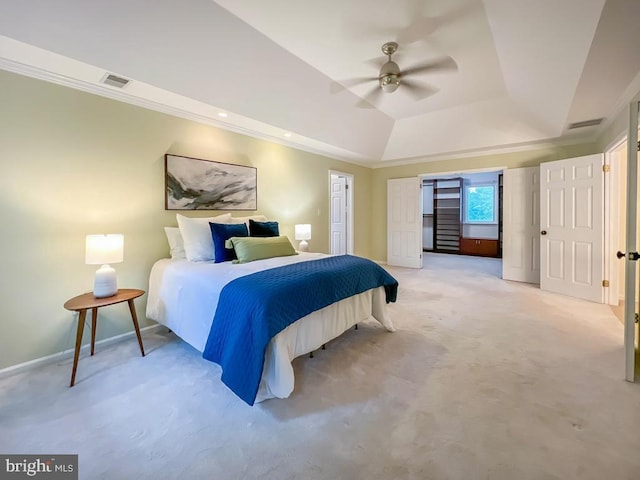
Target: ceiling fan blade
(420, 25)
(419, 29)
(442, 64)
(371, 99)
(419, 91)
(423, 25)
(378, 61)
(356, 28)
(337, 87)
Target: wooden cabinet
(479, 246)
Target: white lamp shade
(104, 249)
(303, 231)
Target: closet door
(521, 254)
(447, 206)
(404, 222)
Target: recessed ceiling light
(287, 134)
(223, 114)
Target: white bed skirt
(182, 298)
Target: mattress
(183, 296)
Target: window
(479, 201)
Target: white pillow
(196, 233)
(176, 244)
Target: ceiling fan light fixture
(389, 83)
(389, 77)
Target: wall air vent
(115, 80)
(586, 123)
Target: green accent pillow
(249, 249)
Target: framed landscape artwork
(194, 184)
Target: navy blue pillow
(263, 229)
(221, 232)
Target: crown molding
(295, 141)
(480, 152)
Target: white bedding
(183, 296)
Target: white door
(338, 215)
(521, 225)
(631, 245)
(404, 223)
(571, 227)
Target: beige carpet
(484, 379)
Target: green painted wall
(73, 163)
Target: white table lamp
(303, 233)
(103, 250)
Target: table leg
(94, 318)
(132, 309)
(76, 355)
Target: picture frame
(197, 184)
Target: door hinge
(606, 168)
(639, 145)
(605, 283)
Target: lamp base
(105, 283)
(304, 246)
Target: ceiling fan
(391, 77)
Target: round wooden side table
(87, 301)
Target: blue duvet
(254, 308)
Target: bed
(183, 296)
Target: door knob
(633, 256)
(543, 232)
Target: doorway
(462, 213)
(341, 213)
(622, 198)
(616, 198)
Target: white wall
(427, 217)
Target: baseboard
(57, 357)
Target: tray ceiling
(526, 70)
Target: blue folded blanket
(254, 308)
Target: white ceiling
(526, 69)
